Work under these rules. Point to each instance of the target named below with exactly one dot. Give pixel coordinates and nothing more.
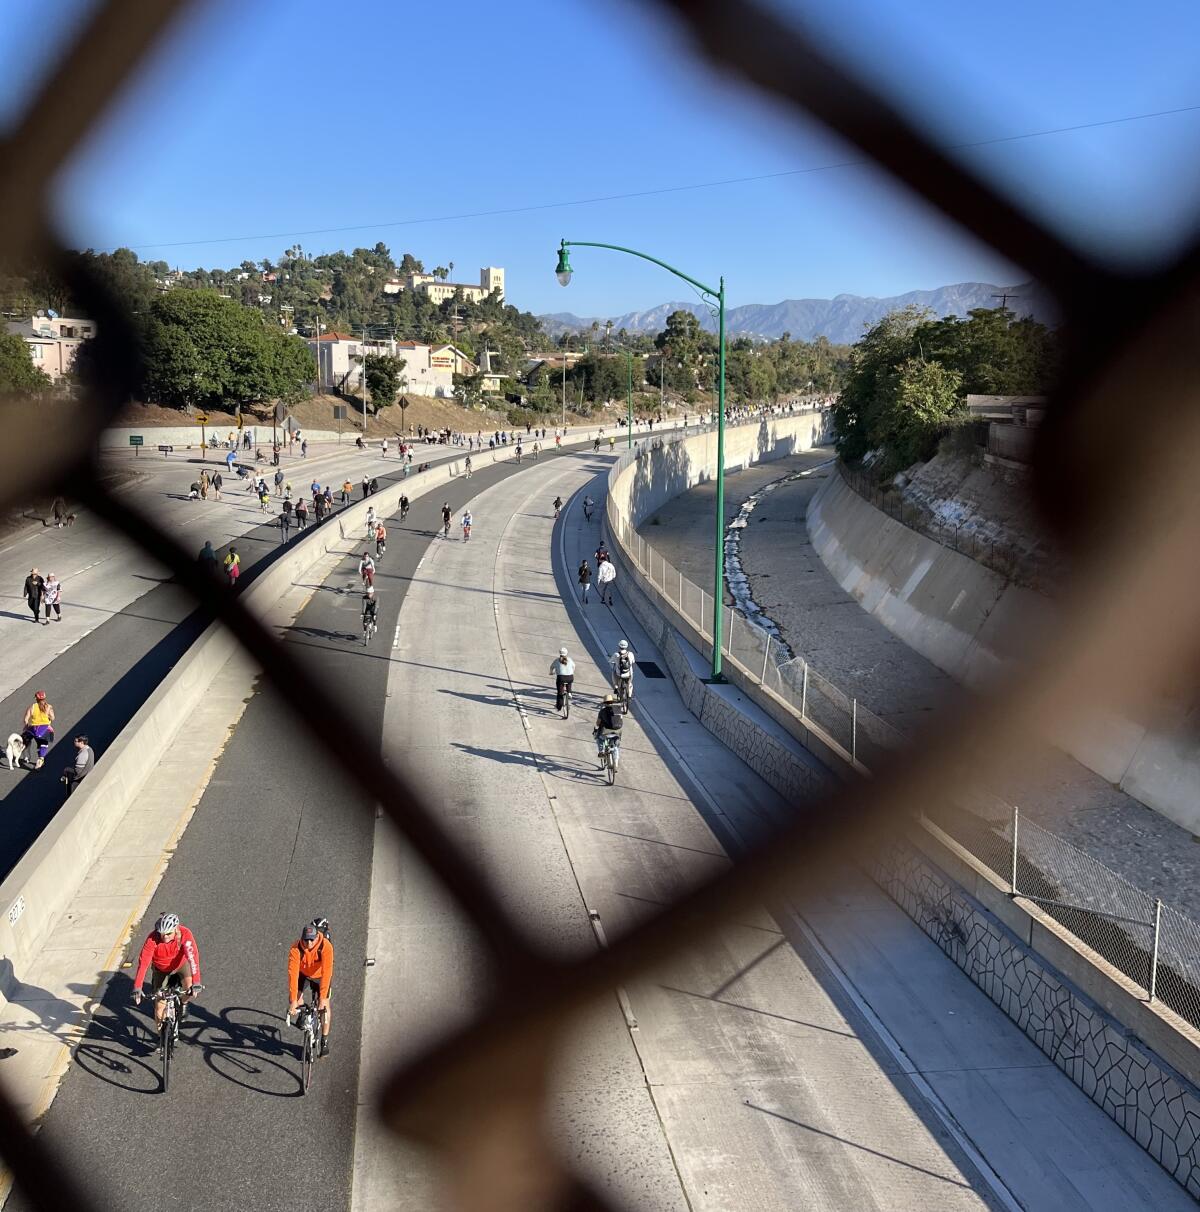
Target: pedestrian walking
(279, 483)
(59, 509)
(366, 486)
(51, 597)
(384, 448)
(585, 580)
(233, 567)
(304, 449)
(35, 588)
(285, 522)
(216, 485)
(606, 577)
(246, 440)
(301, 514)
(319, 508)
(347, 489)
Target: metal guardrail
(1129, 335)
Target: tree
(383, 379)
(468, 389)
(918, 398)
(17, 371)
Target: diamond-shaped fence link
(1128, 338)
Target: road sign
(202, 418)
(291, 425)
(339, 412)
(136, 439)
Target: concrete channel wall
(38, 890)
(973, 624)
(1137, 1060)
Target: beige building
(491, 279)
(53, 341)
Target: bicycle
(566, 702)
(308, 1021)
(370, 627)
(168, 1031)
(466, 532)
(587, 512)
(610, 755)
(624, 689)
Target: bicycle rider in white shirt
(563, 669)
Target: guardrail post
(681, 591)
(804, 694)
(1013, 873)
(854, 730)
(729, 642)
(1154, 953)
(762, 681)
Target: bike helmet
(623, 645)
(370, 590)
(562, 652)
(40, 696)
(166, 923)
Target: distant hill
(841, 319)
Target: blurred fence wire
(1129, 335)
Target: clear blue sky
(275, 119)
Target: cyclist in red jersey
(170, 952)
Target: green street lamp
(563, 272)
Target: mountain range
(841, 319)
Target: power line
(650, 193)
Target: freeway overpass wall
(1135, 1059)
(975, 625)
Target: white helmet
(166, 923)
(623, 645)
(562, 652)
(370, 591)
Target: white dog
(14, 749)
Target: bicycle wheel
(566, 712)
(166, 1046)
(306, 1064)
(610, 765)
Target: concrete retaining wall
(972, 623)
(184, 436)
(1143, 1078)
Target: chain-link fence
(1156, 947)
(1128, 336)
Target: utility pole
(1004, 297)
(364, 382)
(566, 346)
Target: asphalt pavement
(278, 837)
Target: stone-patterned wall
(1155, 1105)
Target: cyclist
(366, 569)
(171, 954)
(371, 519)
(370, 606)
(588, 506)
(446, 516)
(537, 449)
(557, 506)
(612, 441)
(563, 669)
(467, 523)
(310, 966)
(622, 662)
(608, 724)
(380, 539)
(518, 451)
(467, 466)
(403, 508)
(596, 443)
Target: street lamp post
(563, 272)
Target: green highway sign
(136, 439)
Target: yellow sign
(201, 418)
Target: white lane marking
(86, 567)
(396, 636)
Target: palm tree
(451, 269)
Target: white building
(428, 370)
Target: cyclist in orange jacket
(310, 966)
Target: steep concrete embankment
(975, 624)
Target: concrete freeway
(754, 1077)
